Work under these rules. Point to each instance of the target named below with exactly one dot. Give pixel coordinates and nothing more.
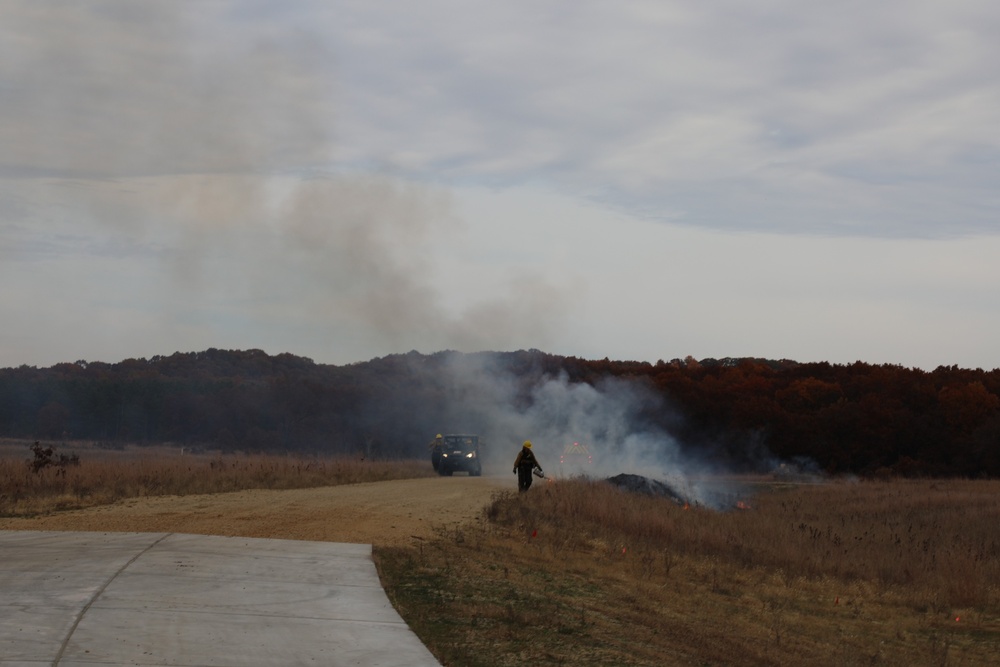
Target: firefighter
(524, 464)
(436, 445)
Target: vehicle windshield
(463, 442)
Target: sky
(345, 180)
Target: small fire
(686, 506)
(740, 505)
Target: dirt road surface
(392, 513)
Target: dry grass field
(103, 476)
(578, 572)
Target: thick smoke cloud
(619, 421)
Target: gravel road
(379, 513)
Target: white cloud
(696, 110)
(655, 291)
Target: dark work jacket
(526, 458)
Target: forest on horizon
(744, 414)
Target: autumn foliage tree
(745, 413)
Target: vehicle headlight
(470, 455)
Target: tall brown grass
(104, 475)
(936, 542)
(578, 572)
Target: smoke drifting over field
(618, 421)
(195, 146)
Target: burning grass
(99, 476)
(577, 572)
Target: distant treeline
(743, 413)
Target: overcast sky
(638, 180)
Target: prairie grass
(104, 476)
(582, 573)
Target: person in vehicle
(523, 466)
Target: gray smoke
(612, 419)
(197, 141)
(110, 89)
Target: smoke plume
(198, 140)
(620, 422)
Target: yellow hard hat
(439, 436)
(527, 443)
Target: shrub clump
(46, 457)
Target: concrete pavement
(76, 599)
